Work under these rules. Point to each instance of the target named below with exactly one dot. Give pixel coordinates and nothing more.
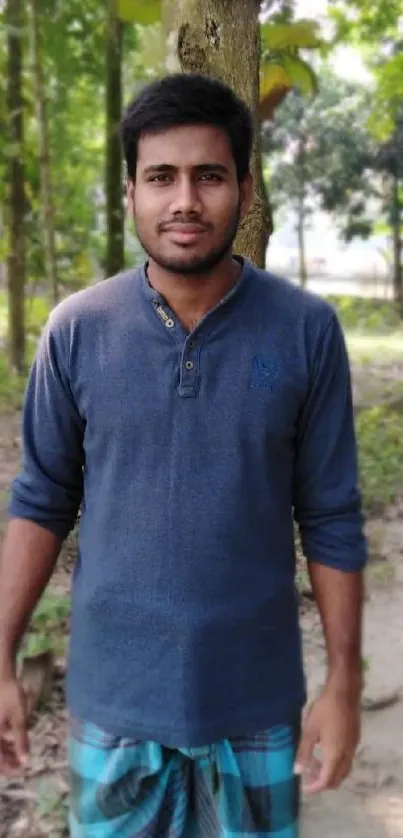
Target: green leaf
(274, 87)
(300, 74)
(304, 34)
(272, 76)
(145, 12)
(291, 72)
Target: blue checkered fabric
(123, 788)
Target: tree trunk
(16, 210)
(48, 211)
(221, 38)
(396, 221)
(114, 188)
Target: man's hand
(332, 724)
(14, 742)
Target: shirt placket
(189, 374)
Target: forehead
(186, 146)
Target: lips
(184, 228)
(184, 233)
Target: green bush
(380, 445)
(49, 626)
(366, 315)
(11, 386)
(37, 311)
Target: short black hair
(188, 99)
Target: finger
(9, 765)
(305, 750)
(342, 773)
(327, 774)
(20, 736)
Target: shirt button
(169, 323)
(189, 365)
(192, 344)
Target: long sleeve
(327, 501)
(48, 489)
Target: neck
(191, 297)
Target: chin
(188, 268)
(191, 264)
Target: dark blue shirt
(189, 454)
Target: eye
(160, 179)
(211, 177)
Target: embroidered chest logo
(265, 373)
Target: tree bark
(114, 261)
(16, 212)
(48, 210)
(396, 221)
(221, 38)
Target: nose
(186, 200)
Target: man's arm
(328, 510)
(28, 558)
(27, 562)
(333, 721)
(48, 489)
(43, 507)
(339, 596)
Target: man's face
(186, 199)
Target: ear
(130, 191)
(246, 194)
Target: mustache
(186, 222)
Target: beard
(195, 264)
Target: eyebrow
(219, 168)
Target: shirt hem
(275, 714)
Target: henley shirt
(189, 455)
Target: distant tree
(389, 162)
(375, 27)
(114, 162)
(45, 161)
(14, 18)
(323, 154)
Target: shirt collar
(247, 270)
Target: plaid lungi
(124, 788)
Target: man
(190, 406)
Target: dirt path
(370, 804)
